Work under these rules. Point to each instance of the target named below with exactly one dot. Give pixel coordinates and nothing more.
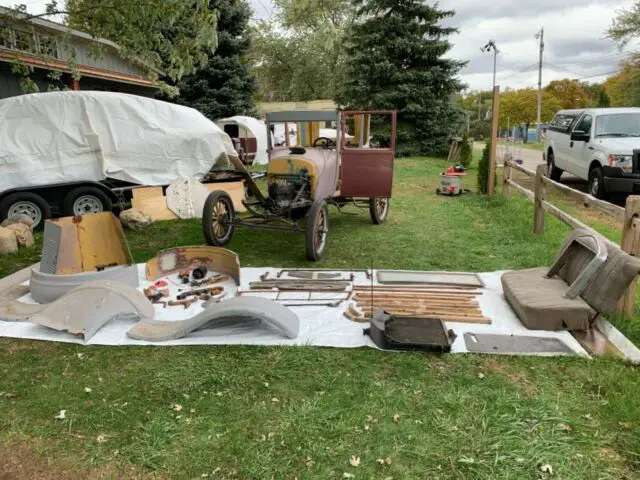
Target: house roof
(58, 27)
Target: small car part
(199, 273)
(183, 276)
(409, 333)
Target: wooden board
(235, 191)
(151, 201)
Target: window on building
(47, 46)
(24, 41)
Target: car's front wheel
(596, 183)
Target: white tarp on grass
(89, 136)
(319, 326)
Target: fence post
(630, 243)
(540, 195)
(506, 176)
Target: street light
(491, 45)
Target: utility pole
(479, 103)
(491, 45)
(540, 36)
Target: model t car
(349, 161)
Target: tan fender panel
(173, 260)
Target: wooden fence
(628, 216)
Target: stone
(8, 241)
(23, 234)
(20, 219)
(135, 219)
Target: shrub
(465, 151)
(483, 169)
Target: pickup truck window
(618, 125)
(585, 124)
(562, 122)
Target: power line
(522, 70)
(596, 59)
(597, 75)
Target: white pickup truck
(600, 145)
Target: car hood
(623, 145)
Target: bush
(483, 169)
(465, 151)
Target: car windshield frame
(617, 129)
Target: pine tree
(225, 86)
(395, 61)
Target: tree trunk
(525, 139)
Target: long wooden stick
(414, 286)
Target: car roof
(600, 111)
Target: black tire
(218, 216)
(379, 209)
(317, 230)
(596, 183)
(553, 172)
(26, 203)
(85, 201)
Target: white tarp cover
(258, 129)
(319, 326)
(59, 137)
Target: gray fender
(273, 314)
(46, 287)
(84, 309)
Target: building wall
(107, 59)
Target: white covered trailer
(65, 152)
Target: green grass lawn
(285, 413)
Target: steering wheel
(324, 142)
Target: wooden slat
(520, 168)
(527, 193)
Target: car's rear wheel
(553, 172)
(379, 209)
(596, 183)
(26, 204)
(218, 216)
(317, 230)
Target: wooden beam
(524, 191)
(506, 179)
(588, 201)
(520, 168)
(631, 244)
(539, 195)
(495, 114)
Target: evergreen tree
(395, 61)
(225, 86)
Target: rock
(23, 234)
(24, 219)
(135, 219)
(8, 241)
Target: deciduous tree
(569, 93)
(521, 107)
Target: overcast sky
(574, 34)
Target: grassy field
(285, 413)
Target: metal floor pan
(515, 345)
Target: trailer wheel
(317, 230)
(85, 201)
(218, 215)
(379, 209)
(26, 203)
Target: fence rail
(628, 216)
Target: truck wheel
(596, 183)
(317, 230)
(379, 209)
(553, 172)
(26, 203)
(85, 201)
(218, 215)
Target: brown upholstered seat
(541, 302)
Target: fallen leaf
(308, 462)
(100, 379)
(564, 427)
(266, 384)
(481, 376)
(204, 475)
(192, 410)
(10, 394)
(354, 461)
(387, 461)
(62, 415)
(186, 395)
(219, 394)
(466, 460)
(322, 392)
(271, 435)
(380, 461)
(625, 424)
(87, 390)
(366, 427)
(275, 400)
(101, 439)
(80, 355)
(546, 468)
(396, 418)
(348, 475)
(176, 407)
(216, 470)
